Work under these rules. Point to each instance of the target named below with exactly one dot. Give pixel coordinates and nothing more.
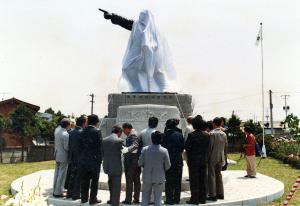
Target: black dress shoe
(168, 203)
(136, 202)
(108, 202)
(212, 199)
(220, 197)
(59, 196)
(246, 176)
(126, 202)
(95, 202)
(250, 176)
(75, 198)
(192, 202)
(202, 201)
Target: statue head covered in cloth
(147, 64)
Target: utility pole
(92, 101)
(271, 113)
(285, 107)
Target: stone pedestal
(182, 101)
(136, 108)
(138, 115)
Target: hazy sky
(54, 53)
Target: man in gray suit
(155, 162)
(216, 159)
(112, 163)
(61, 157)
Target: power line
(295, 92)
(225, 101)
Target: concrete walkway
(238, 190)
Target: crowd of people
(159, 156)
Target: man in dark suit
(90, 160)
(74, 151)
(112, 163)
(173, 141)
(131, 153)
(196, 147)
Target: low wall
(31, 154)
(40, 153)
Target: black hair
(176, 121)
(81, 120)
(198, 123)
(153, 122)
(93, 119)
(223, 119)
(64, 123)
(156, 137)
(116, 129)
(248, 129)
(217, 121)
(171, 124)
(209, 125)
(60, 118)
(127, 125)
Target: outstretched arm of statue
(119, 20)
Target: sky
(55, 53)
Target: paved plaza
(238, 190)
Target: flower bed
(284, 149)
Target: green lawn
(277, 170)
(269, 166)
(10, 172)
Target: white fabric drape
(147, 64)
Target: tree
(292, 122)
(23, 123)
(46, 131)
(255, 126)
(50, 111)
(234, 127)
(46, 128)
(3, 124)
(234, 133)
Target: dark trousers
(132, 175)
(198, 181)
(215, 182)
(114, 184)
(68, 176)
(173, 185)
(74, 182)
(89, 180)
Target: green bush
(287, 152)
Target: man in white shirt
(145, 135)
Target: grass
(10, 172)
(276, 169)
(269, 166)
